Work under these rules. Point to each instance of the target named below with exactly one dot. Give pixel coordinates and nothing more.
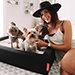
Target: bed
(33, 62)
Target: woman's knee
(63, 63)
(65, 67)
(67, 63)
(66, 59)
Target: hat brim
(56, 7)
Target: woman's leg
(64, 72)
(68, 63)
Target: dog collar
(14, 38)
(30, 42)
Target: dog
(42, 32)
(31, 36)
(13, 32)
(42, 29)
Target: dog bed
(39, 63)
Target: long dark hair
(54, 17)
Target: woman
(59, 36)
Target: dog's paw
(17, 47)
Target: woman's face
(46, 16)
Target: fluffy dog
(13, 32)
(31, 36)
(42, 29)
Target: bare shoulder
(67, 23)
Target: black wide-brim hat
(46, 5)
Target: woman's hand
(41, 43)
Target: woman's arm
(67, 38)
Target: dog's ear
(12, 23)
(37, 28)
(25, 29)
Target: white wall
(1, 18)
(67, 11)
(16, 13)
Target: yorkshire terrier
(31, 36)
(42, 29)
(14, 32)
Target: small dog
(42, 30)
(31, 38)
(13, 32)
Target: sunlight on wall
(1, 18)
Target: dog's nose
(32, 35)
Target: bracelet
(49, 44)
